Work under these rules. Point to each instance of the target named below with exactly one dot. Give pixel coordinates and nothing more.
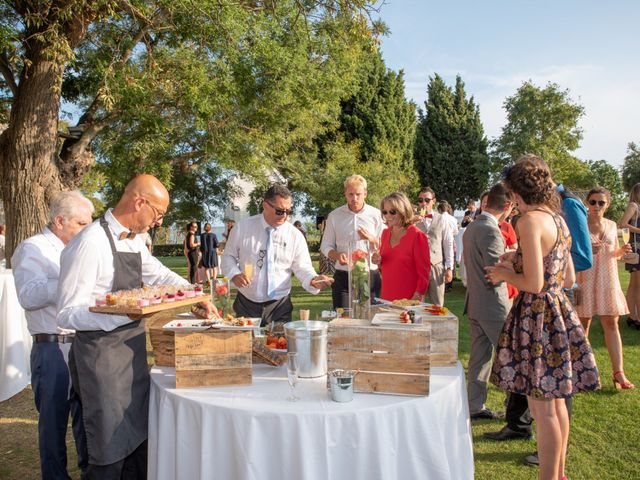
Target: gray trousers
(484, 338)
(436, 284)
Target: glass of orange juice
(248, 270)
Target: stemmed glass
(292, 374)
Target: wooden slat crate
(444, 337)
(444, 340)
(163, 345)
(389, 359)
(213, 358)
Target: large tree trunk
(29, 175)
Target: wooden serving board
(121, 310)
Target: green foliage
(602, 174)
(373, 137)
(543, 121)
(190, 88)
(451, 147)
(631, 167)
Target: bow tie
(429, 215)
(130, 235)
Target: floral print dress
(542, 351)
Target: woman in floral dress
(542, 351)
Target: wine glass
(625, 235)
(292, 374)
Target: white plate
(186, 325)
(190, 324)
(391, 319)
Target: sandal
(622, 385)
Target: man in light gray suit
(440, 245)
(486, 305)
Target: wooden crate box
(444, 340)
(389, 359)
(213, 358)
(444, 337)
(163, 346)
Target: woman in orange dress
(404, 251)
(601, 293)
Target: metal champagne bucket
(341, 385)
(309, 339)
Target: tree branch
(7, 73)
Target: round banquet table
(253, 432)
(15, 344)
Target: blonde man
(351, 222)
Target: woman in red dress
(404, 251)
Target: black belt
(52, 338)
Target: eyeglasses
(602, 203)
(158, 214)
(425, 200)
(389, 212)
(261, 255)
(280, 211)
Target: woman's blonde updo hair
(402, 205)
(530, 178)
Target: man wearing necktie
(274, 249)
(440, 245)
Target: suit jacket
(435, 232)
(482, 246)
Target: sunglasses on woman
(602, 203)
(389, 212)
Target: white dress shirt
(36, 268)
(86, 272)
(447, 241)
(247, 244)
(342, 228)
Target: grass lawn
(604, 436)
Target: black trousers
(518, 415)
(193, 264)
(272, 311)
(340, 288)
(132, 467)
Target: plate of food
(431, 310)
(187, 325)
(236, 323)
(405, 318)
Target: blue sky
(589, 47)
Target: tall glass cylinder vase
(359, 279)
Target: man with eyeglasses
(108, 359)
(351, 222)
(271, 248)
(440, 245)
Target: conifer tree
(451, 148)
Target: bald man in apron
(108, 359)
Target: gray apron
(110, 370)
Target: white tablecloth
(15, 341)
(253, 432)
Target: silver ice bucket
(341, 385)
(309, 339)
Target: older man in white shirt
(270, 249)
(36, 268)
(349, 223)
(440, 245)
(108, 359)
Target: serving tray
(160, 307)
